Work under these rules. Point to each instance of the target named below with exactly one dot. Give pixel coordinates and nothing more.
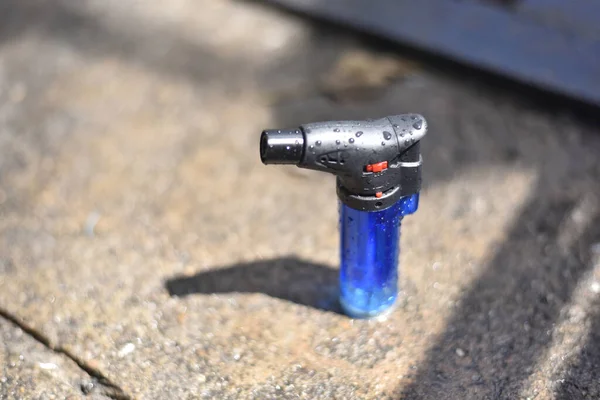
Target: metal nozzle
(281, 146)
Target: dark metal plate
(551, 44)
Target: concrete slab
(30, 370)
(141, 235)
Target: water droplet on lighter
(287, 147)
(383, 143)
(318, 142)
(270, 146)
(413, 117)
(297, 142)
(311, 147)
(337, 142)
(418, 124)
(359, 133)
(396, 126)
(336, 130)
(351, 140)
(387, 135)
(407, 142)
(402, 134)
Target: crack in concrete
(107, 388)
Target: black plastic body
(347, 148)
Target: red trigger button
(378, 167)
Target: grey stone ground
(148, 254)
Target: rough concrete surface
(31, 369)
(145, 248)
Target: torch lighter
(378, 168)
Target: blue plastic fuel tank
(370, 248)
